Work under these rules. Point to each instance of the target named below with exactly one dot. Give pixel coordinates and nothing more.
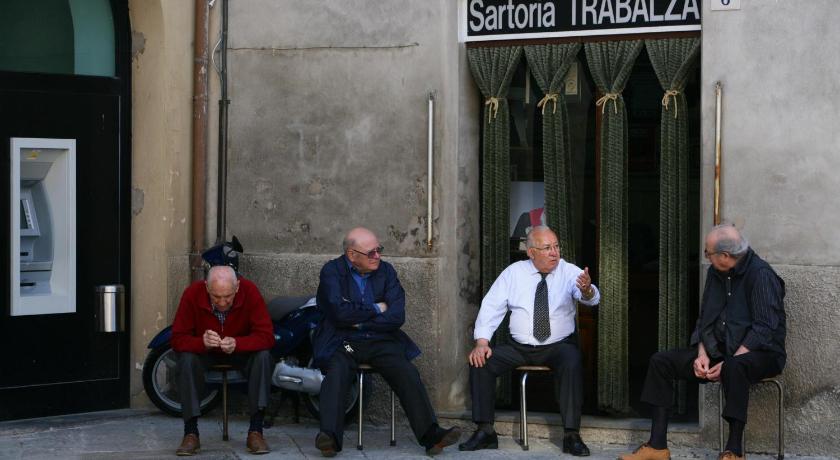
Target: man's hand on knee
(481, 353)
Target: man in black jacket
(364, 308)
(739, 339)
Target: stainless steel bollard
(110, 308)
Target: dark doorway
(643, 96)
(61, 363)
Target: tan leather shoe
(190, 445)
(645, 452)
(256, 443)
(729, 455)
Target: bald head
(726, 238)
(362, 249)
(222, 285)
(356, 235)
(221, 275)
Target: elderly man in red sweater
(223, 320)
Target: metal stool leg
(523, 412)
(224, 406)
(720, 417)
(393, 418)
(781, 454)
(359, 444)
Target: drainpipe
(199, 132)
(224, 102)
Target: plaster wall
(328, 131)
(777, 63)
(161, 126)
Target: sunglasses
(372, 253)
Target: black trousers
(387, 357)
(737, 374)
(256, 366)
(565, 361)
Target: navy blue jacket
(345, 313)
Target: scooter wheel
(160, 381)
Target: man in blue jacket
(364, 307)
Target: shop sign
(483, 20)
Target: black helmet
(226, 253)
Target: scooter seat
(279, 307)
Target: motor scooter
(294, 320)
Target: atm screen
(24, 222)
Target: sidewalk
(147, 434)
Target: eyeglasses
(708, 254)
(372, 253)
(547, 248)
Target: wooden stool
(523, 402)
(212, 377)
(781, 436)
(363, 368)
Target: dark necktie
(542, 328)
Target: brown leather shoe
(256, 443)
(190, 445)
(645, 452)
(729, 455)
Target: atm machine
(43, 226)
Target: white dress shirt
(515, 289)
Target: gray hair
(730, 240)
(529, 242)
(221, 273)
(346, 243)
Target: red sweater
(247, 321)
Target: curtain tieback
(666, 98)
(544, 102)
(493, 103)
(608, 97)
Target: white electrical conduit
(430, 153)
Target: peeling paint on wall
(138, 197)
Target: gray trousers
(565, 361)
(256, 367)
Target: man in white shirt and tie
(541, 294)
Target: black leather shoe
(572, 444)
(480, 440)
(326, 444)
(443, 438)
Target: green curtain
(610, 64)
(492, 69)
(673, 60)
(549, 65)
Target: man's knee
(660, 360)
(187, 360)
(569, 362)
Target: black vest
(726, 310)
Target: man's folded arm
(394, 316)
(342, 311)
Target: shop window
(57, 36)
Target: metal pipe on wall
(430, 177)
(224, 102)
(718, 98)
(199, 138)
